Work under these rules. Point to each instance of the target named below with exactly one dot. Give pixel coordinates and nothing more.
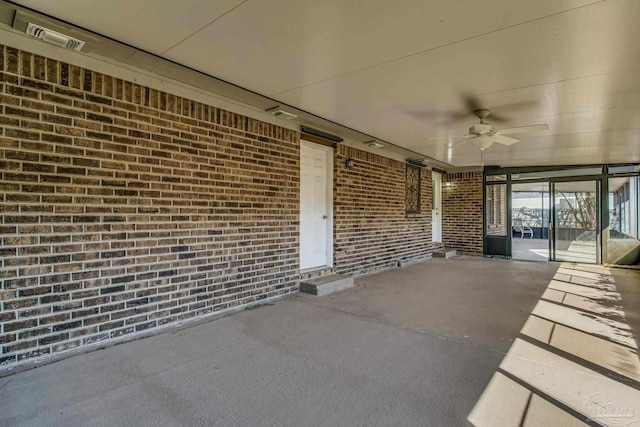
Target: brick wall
(123, 208)
(462, 213)
(371, 229)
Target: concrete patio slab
(540, 412)
(485, 301)
(595, 325)
(530, 249)
(572, 384)
(615, 357)
(537, 328)
(414, 346)
(587, 369)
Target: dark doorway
(530, 221)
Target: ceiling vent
(276, 111)
(54, 37)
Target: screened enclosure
(578, 214)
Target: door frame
(329, 152)
(436, 183)
(496, 245)
(552, 214)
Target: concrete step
(444, 253)
(325, 285)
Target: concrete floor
(575, 360)
(415, 346)
(530, 249)
(538, 250)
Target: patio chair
(519, 227)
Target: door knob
(324, 217)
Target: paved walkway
(415, 346)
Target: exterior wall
(123, 208)
(371, 228)
(462, 213)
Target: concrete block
(444, 253)
(321, 286)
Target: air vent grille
(54, 37)
(34, 31)
(282, 114)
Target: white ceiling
(401, 71)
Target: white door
(436, 210)
(315, 205)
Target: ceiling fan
(483, 135)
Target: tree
(583, 210)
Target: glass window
(622, 169)
(623, 208)
(623, 245)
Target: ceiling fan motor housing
(481, 129)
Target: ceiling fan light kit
(481, 142)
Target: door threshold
(312, 269)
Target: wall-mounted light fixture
(349, 163)
(447, 184)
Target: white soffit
(537, 54)
(151, 25)
(400, 70)
(310, 41)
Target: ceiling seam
(355, 116)
(586, 76)
(203, 27)
(435, 48)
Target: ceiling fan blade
(504, 140)
(496, 118)
(511, 107)
(472, 103)
(453, 117)
(459, 142)
(523, 129)
(429, 114)
(445, 137)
